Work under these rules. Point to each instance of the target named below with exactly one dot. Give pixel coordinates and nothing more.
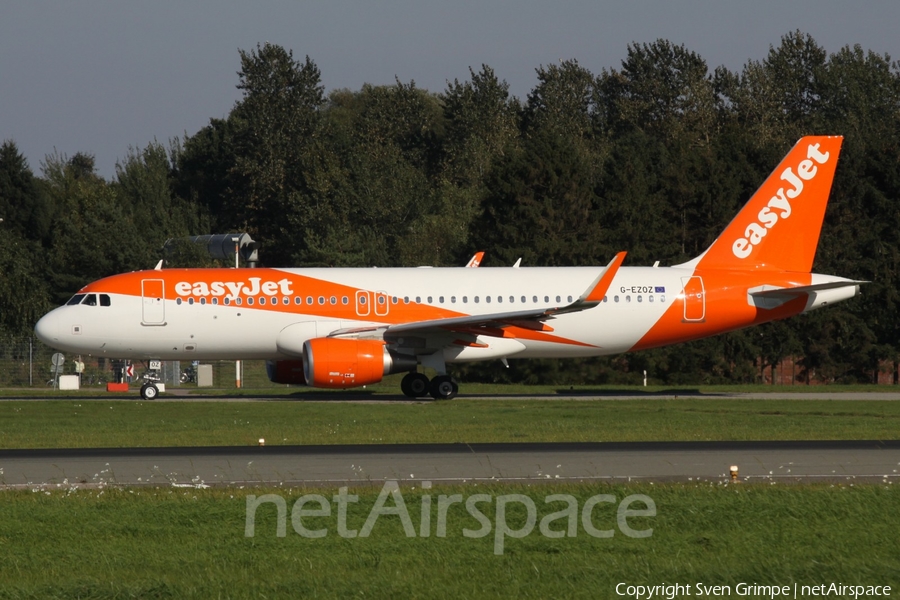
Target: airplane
(349, 327)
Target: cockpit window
(90, 300)
(76, 299)
(104, 300)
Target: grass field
(390, 386)
(118, 423)
(187, 543)
(170, 542)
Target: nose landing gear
(149, 391)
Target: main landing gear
(417, 385)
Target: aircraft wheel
(443, 388)
(149, 391)
(415, 385)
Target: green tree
(23, 205)
(481, 126)
(275, 124)
(203, 164)
(661, 89)
(93, 231)
(541, 206)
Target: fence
(26, 362)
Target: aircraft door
(153, 299)
(382, 304)
(694, 299)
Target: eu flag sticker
(660, 290)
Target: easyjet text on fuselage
(253, 286)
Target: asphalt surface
(805, 461)
(173, 394)
(800, 461)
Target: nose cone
(47, 329)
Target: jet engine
(345, 363)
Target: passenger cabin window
(76, 299)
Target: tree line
(654, 157)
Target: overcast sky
(102, 76)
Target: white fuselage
(192, 321)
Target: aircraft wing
(494, 323)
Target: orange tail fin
(778, 229)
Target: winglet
(475, 260)
(600, 285)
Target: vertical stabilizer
(778, 229)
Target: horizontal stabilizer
(769, 297)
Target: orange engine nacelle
(344, 363)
